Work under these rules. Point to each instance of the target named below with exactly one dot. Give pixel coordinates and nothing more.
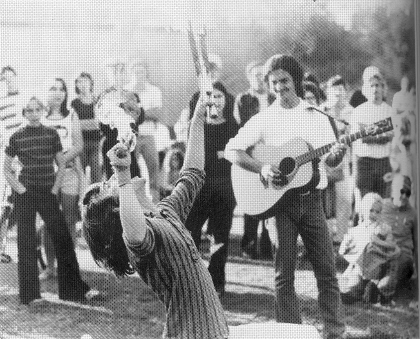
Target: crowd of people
(360, 197)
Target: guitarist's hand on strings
(270, 174)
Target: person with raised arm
(127, 233)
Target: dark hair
(63, 108)
(309, 77)
(229, 102)
(8, 68)
(102, 230)
(311, 87)
(179, 155)
(290, 65)
(336, 80)
(83, 75)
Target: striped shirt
(36, 148)
(169, 262)
(10, 115)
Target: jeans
(304, 215)
(216, 203)
(70, 284)
(90, 156)
(370, 175)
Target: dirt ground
(131, 310)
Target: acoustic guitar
(298, 161)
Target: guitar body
(254, 198)
(297, 161)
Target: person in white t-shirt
(284, 120)
(372, 153)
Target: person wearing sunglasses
(402, 217)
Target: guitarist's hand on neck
(337, 152)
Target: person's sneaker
(47, 274)
(5, 258)
(371, 293)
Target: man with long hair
(126, 233)
(285, 119)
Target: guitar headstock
(380, 127)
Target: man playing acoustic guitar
(286, 119)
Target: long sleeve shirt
(169, 262)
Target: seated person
(402, 217)
(369, 248)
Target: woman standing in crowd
(84, 106)
(66, 123)
(216, 200)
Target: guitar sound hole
(287, 165)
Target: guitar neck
(319, 152)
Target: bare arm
(242, 159)
(59, 176)
(194, 155)
(76, 138)
(132, 217)
(10, 175)
(131, 211)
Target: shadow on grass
(129, 310)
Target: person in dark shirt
(84, 106)
(37, 147)
(126, 232)
(216, 200)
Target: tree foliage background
(43, 41)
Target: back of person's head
(84, 75)
(366, 204)
(288, 64)
(103, 231)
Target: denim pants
(304, 215)
(370, 176)
(41, 200)
(216, 203)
